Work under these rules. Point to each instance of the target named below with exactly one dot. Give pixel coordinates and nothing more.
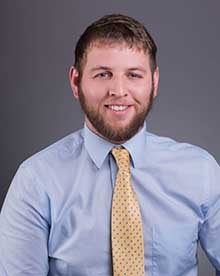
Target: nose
(118, 87)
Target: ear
(155, 81)
(74, 81)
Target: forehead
(116, 56)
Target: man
(72, 209)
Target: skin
(115, 76)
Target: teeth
(118, 107)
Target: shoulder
(165, 146)
(62, 149)
(39, 172)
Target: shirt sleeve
(210, 230)
(24, 227)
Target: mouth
(117, 107)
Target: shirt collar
(98, 148)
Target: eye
(103, 75)
(133, 75)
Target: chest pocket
(174, 250)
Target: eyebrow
(142, 69)
(97, 68)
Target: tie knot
(122, 158)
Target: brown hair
(114, 29)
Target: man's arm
(210, 230)
(24, 227)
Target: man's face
(116, 90)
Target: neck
(91, 128)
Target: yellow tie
(126, 232)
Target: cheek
(95, 92)
(93, 99)
(142, 95)
(141, 89)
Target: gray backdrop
(36, 48)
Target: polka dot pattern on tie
(127, 234)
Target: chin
(120, 124)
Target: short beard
(105, 129)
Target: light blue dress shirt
(56, 216)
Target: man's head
(115, 76)
(115, 29)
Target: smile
(118, 107)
